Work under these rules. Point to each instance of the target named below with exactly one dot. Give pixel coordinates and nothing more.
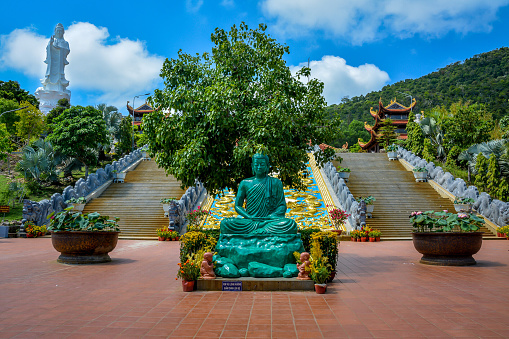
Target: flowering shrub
(338, 217)
(320, 267)
(196, 217)
(431, 221)
(33, 230)
(374, 233)
(189, 270)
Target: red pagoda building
(138, 113)
(394, 111)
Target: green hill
(483, 78)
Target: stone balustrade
(492, 209)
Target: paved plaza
(380, 291)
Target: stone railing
(190, 200)
(492, 209)
(102, 178)
(345, 197)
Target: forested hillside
(483, 78)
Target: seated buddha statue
(265, 204)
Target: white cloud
(228, 3)
(362, 21)
(193, 6)
(342, 80)
(115, 68)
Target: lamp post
(136, 96)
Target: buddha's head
(59, 31)
(260, 164)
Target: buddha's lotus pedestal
(250, 254)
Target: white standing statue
(54, 82)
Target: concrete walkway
(380, 291)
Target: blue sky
(354, 47)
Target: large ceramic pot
(344, 175)
(392, 155)
(81, 247)
(421, 176)
(447, 249)
(463, 207)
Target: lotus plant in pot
(392, 152)
(420, 174)
(462, 204)
(83, 238)
(78, 204)
(446, 239)
(343, 172)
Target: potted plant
(320, 268)
(189, 271)
(354, 235)
(144, 151)
(462, 204)
(167, 202)
(374, 235)
(502, 231)
(34, 231)
(162, 234)
(83, 238)
(329, 246)
(370, 207)
(338, 218)
(364, 232)
(78, 204)
(392, 152)
(343, 172)
(118, 176)
(446, 239)
(420, 174)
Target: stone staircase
(396, 192)
(136, 201)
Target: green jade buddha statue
(265, 204)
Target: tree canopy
(231, 103)
(11, 90)
(77, 132)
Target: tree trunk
(86, 172)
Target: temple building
(394, 111)
(138, 113)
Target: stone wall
(492, 209)
(38, 211)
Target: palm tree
(498, 147)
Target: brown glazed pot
(81, 247)
(447, 249)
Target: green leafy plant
(431, 221)
(419, 169)
(328, 242)
(69, 221)
(343, 169)
(462, 200)
(80, 200)
(374, 233)
(191, 242)
(167, 200)
(392, 148)
(369, 200)
(247, 77)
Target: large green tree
(78, 132)
(125, 136)
(11, 90)
(218, 109)
(30, 124)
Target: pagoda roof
(144, 108)
(394, 107)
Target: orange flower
(181, 271)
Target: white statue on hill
(54, 82)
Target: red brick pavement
(380, 291)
